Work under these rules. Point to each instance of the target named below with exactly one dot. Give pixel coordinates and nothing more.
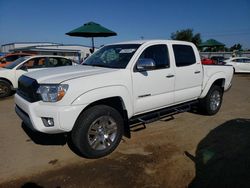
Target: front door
(154, 89)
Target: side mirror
(145, 64)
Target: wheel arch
(218, 79)
(114, 102)
(117, 103)
(220, 82)
(7, 80)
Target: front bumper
(64, 116)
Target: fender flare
(210, 82)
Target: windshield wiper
(99, 65)
(104, 66)
(86, 64)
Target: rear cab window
(184, 55)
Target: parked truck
(96, 102)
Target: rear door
(243, 64)
(188, 73)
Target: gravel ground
(191, 150)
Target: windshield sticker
(127, 51)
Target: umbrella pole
(93, 47)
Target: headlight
(52, 92)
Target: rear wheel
(97, 132)
(211, 104)
(5, 88)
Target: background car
(10, 74)
(218, 60)
(240, 64)
(9, 58)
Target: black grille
(27, 88)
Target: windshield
(15, 63)
(113, 56)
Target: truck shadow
(223, 157)
(45, 139)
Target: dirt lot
(189, 151)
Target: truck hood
(61, 74)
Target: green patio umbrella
(91, 30)
(211, 43)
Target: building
(225, 54)
(75, 52)
(6, 48)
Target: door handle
(197, 72)
(170, 76)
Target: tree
(187, 35)
(236, 47)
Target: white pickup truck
(96, 102)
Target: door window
(57, 62)
(246, 60)
(65, 62)
(239, 60)
(184, 55)
(53, 62)
(35, 63)
(159, 53)
(29, 64)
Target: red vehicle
(9, 58)
(207, 61)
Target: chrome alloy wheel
(102, 133)
(215, 100)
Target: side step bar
(162, 113)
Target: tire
(97, 132)
(5, 89)
(211, 104)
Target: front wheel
(211, 104)
(5, 89)
(97, 132)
